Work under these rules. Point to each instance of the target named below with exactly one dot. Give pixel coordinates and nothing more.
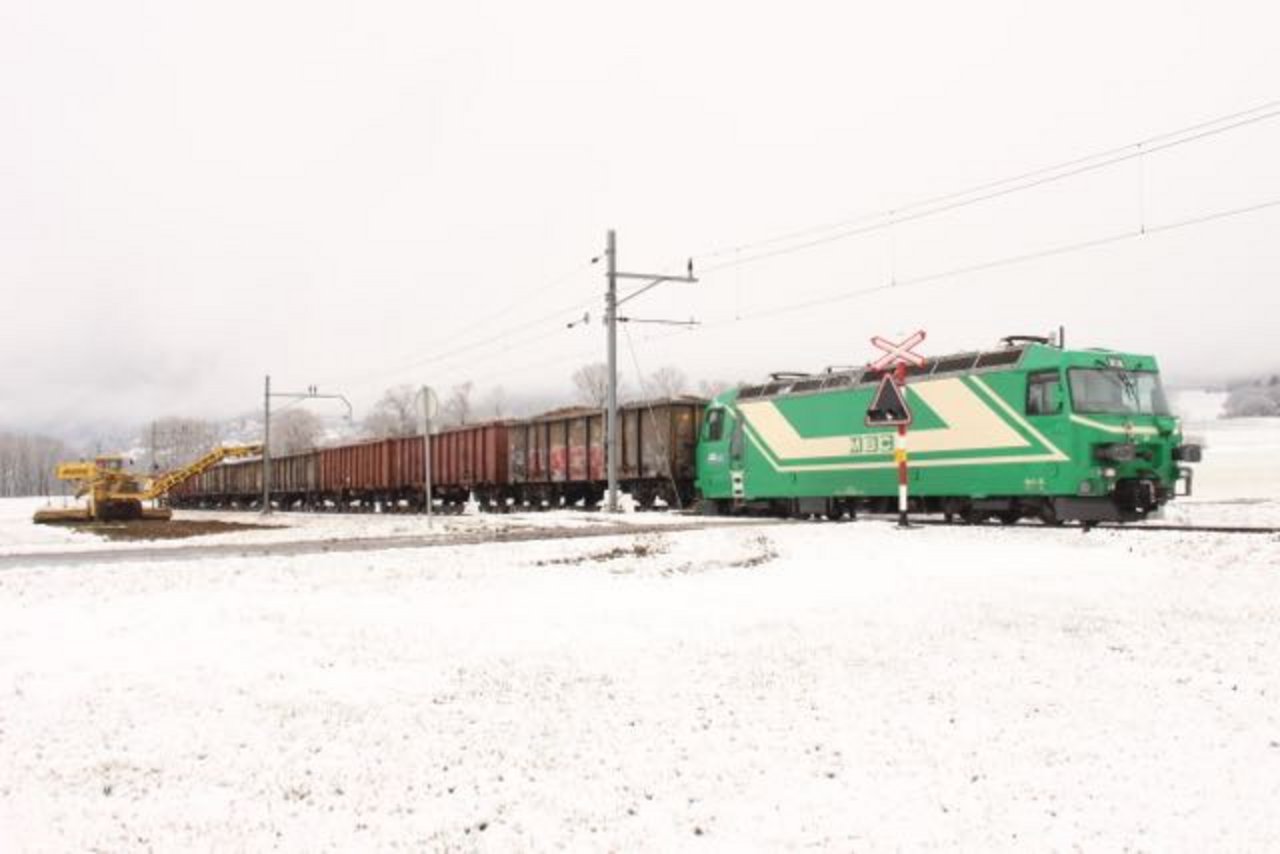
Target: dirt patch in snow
(642, 547)
(154, 529)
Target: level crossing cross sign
(898, 354)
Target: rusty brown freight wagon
(560, 457)
(464, 460)
(358, 475)
(471, 459)
(294, 484)
(295, 480)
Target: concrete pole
(611, 416)
(266, 449)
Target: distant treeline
(27, 463)
(1257, 398)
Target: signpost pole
(900, 452)
(889, 403)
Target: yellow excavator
(117, 494)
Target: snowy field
(1239, 481)
(750, 687)
(19, 536)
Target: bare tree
(395, 413)
(668, 381)
(592, 384)
(457, 408)
(1261, 398)
(177, 441)
(294, 430)
(27, 463)
(713, 388)
(495, 403)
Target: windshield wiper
(1127, 383)
(1131, 388)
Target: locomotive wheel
(1049, 516)
(1009, 517)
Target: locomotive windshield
(1115, 391)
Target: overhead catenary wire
(410, 363)
(990, 190)
(738, 249)
(558, 314)
(529, 366)
(460, 369)
(932, 206)
(968, 269)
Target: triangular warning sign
(888, 407)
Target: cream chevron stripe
(1017, 416)
(1131, 430)
(890, 464)
(972, 425)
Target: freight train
(555, 459)
(1026, 430)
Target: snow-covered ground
(19, 536)
(1239, 480)
(749, 687)
(1197, 404)
(809, 685)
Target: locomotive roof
(976, 361)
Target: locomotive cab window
(715, 425)
(1044, 394)
(1116, 391)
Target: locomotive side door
(1047, 412)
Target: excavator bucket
(81, 515)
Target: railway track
(519, 535)
(294, 548)
(1109, 526)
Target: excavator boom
(161, 484)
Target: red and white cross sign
(898, 354)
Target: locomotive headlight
(1118, 452)
(1085, 488)
(1108, 473)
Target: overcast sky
(362, 194)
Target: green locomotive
(1029, 430)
